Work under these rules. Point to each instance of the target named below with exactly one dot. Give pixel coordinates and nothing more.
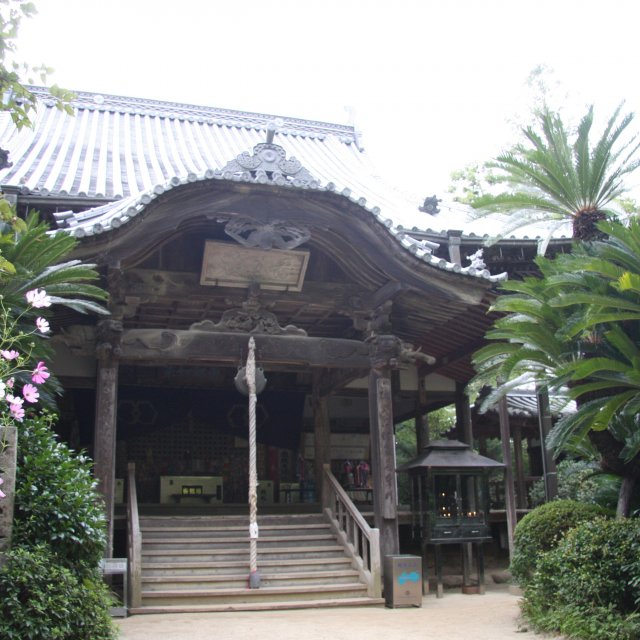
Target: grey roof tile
(129, 150)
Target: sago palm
(33, 258)
(577, 329)
(556, 176)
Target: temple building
(211, 226)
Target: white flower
(42, 324)
(38, 298)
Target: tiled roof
(127, 151)
(526, 405)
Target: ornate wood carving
(390, 351)
(108, 333)
(278, 234)
(248, 321)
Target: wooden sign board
(231, 265)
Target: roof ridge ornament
(269, 164)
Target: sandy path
(493, 616)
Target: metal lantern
(449, 493)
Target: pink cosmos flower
(40, 373)
(10, 382)
(2, 493)
(30, 393)
(15, 407)
(42, 324)
(9, 354)
(38, 298)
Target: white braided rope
(253, 479)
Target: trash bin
(403, 581)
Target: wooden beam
(337, 379)
(157, 346)
(454, 356)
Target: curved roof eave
(114, 215)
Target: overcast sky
(432, 85)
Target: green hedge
(56, 502)
(50, 588)
(42, 600)
(588, 587)
(542, 529)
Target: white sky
(433, 83)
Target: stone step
(259, 606)
(244, 595)
(228, 529)
(234, 566)
(233, 532)
(200, 563)
(240, 580)
(212, 555)
(316, 539)
(301, 520)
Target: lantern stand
(450, 504)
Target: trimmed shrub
(542, 529)
(56, 503)
(587, 586)
(42, 600)
(577, 480)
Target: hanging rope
(254, 576)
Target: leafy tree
(18, 100)
(470, 183)
(555, 176)
(577, 329)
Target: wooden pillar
(8, 456)
(549, 470)
(421, 418)
(465, 434)
(509, 492)
(463, 415)
(521, 486)
(105, 427)
(385, 500)
(321, 437)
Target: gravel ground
(493, 616)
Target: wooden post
(509, 492)
(548, 463)
(321, 438)
(463, 415)
(104, 452)
(385, 500)
(465, 433)
(521, 486)
(421, 418)
(8, 454)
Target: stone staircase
(200, 563)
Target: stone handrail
(361, 541)
(134, 540)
